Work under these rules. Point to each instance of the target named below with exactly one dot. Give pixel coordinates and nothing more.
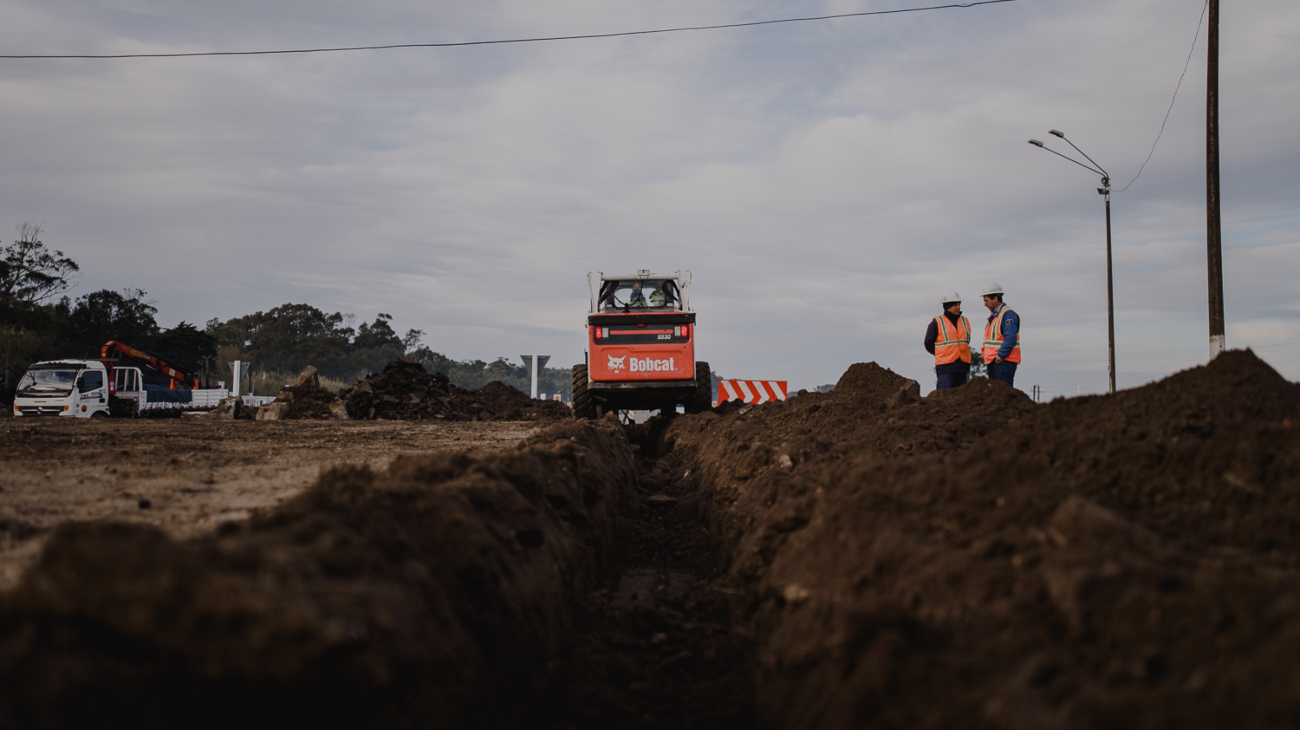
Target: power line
(515, 40)
(1171, 101)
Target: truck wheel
(583, 406)
(99, 414)
(702, 399)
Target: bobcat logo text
(646, 365)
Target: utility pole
(1110, 284)
(1214, 231)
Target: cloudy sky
(825, 181)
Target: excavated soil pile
(433, 594)
(405, 391)
(306, 402)
(307, 399)
(973, 560)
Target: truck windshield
(640, 294)
(48, 382)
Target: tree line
(39, 321)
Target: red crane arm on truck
(175, 372)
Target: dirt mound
(432, 594)
(307, 399)
(867, 380)
(405, 391)
(17, 530)
(503, 403)
(972, 559)
(967, 559)
(306, 402)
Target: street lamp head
(1057, 133)
(1035, 143)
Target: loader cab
(642, 292)
(641, 295)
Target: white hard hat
(991, 289)
(950, 297)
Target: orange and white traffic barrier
(751, 391)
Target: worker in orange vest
(1001, 349)
(948, 339)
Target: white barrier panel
(751, 391)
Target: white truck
(99, 389)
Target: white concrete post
(534, 363)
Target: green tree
(105, 315)
(477, 373)
(376, 335)
(30, 273)
(376, 345)
(18, 349)
(287, 339)
(185, 345)
(434, 362)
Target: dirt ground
(433, 592)
(188, 477)
(865, 558)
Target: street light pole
(1110, 284)
(1110, 281)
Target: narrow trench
(655, 646)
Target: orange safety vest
(953, 343)
(993, 338)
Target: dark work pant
(1004, 371)
(950, 380)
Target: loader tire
(702, 399)
(584, 408)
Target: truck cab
(640, 346)
(69, 388)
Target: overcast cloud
(825, 181)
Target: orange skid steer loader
(640, 347)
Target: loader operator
(1001, 349)
(948, 339)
